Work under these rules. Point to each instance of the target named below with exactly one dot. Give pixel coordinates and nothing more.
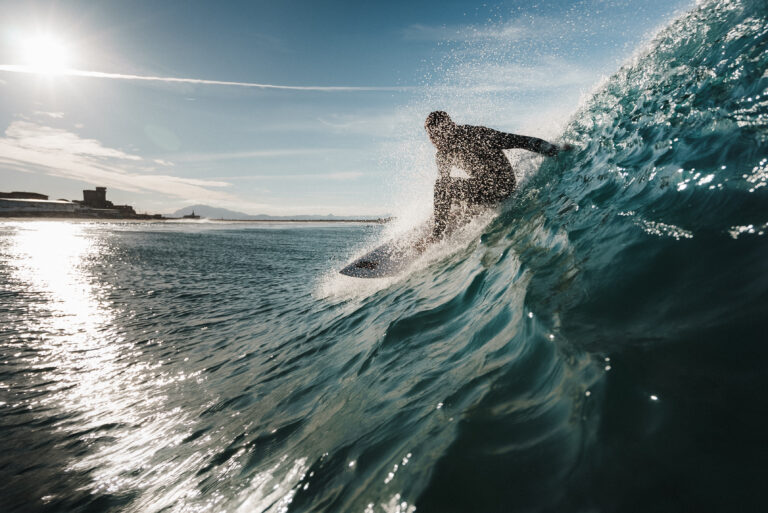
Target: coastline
(192, 221)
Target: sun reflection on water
(49, 259)
(71, 345)
(47, 262)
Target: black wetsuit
(478, 151)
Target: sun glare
(45, 54)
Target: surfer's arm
(511, 141)
(443, 165)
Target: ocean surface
(599, 344)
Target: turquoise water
(597, 346)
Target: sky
(287, 107)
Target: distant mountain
(223, 213)
(210, 212)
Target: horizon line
(32, 70)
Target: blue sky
(350, 143)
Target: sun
(44, 53)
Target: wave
(587, 345)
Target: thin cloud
(420, 32)
(378, 123)
(28, 135)
(342, 175)
(11, 68)
(550, 73)
(578, 23)
(515, 30)
(249, 154)
(30, 147)
(54, 115)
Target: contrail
(99, 74)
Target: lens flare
(45, 54)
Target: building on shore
(22, 195)
(93, 205)
(96, 198)
(11, 207)
(95, 201)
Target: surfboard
(389, 259)
(395, 256)
(392, 257)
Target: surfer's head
(438, 124)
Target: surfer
(478, 151)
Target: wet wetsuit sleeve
(443, 165)
(509, 141)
